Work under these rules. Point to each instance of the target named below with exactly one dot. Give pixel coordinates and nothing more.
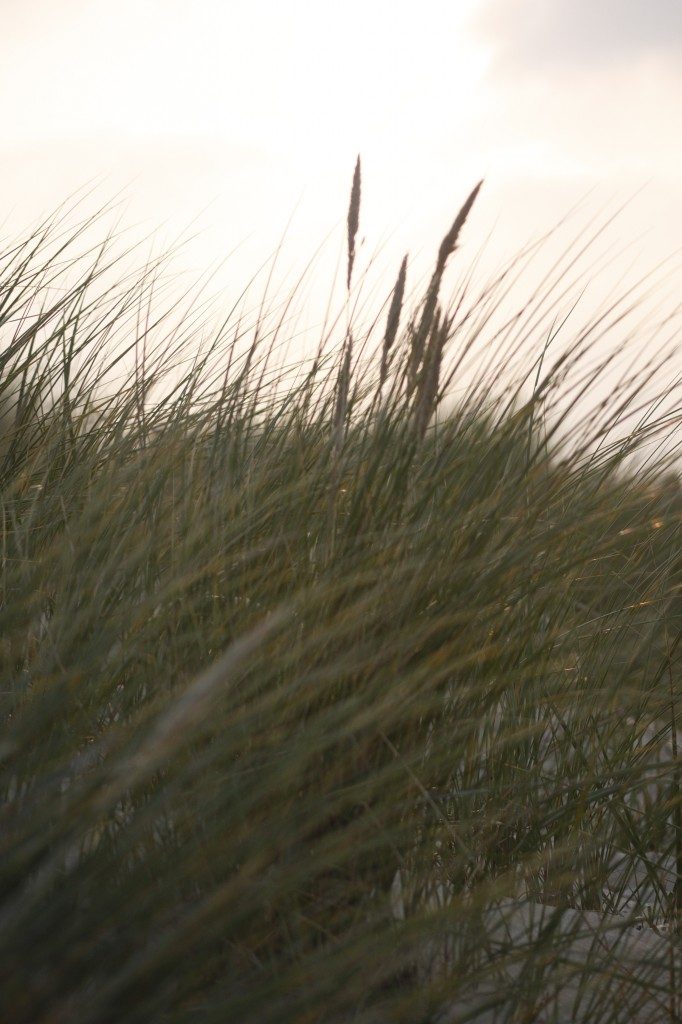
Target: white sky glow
(253, 110)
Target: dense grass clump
(326, 698)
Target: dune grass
(313, 681)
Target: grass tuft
(315, 709)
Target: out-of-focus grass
(301, 680)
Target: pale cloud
(593, 85)
(558, 34)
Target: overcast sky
(583, 33)
(258, 108)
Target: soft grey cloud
(583, 32)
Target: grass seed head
(449, 243)
(353, 220)
(393, 319)
(430, 373)
(447, 247)
(342, 392)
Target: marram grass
(325, 699)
